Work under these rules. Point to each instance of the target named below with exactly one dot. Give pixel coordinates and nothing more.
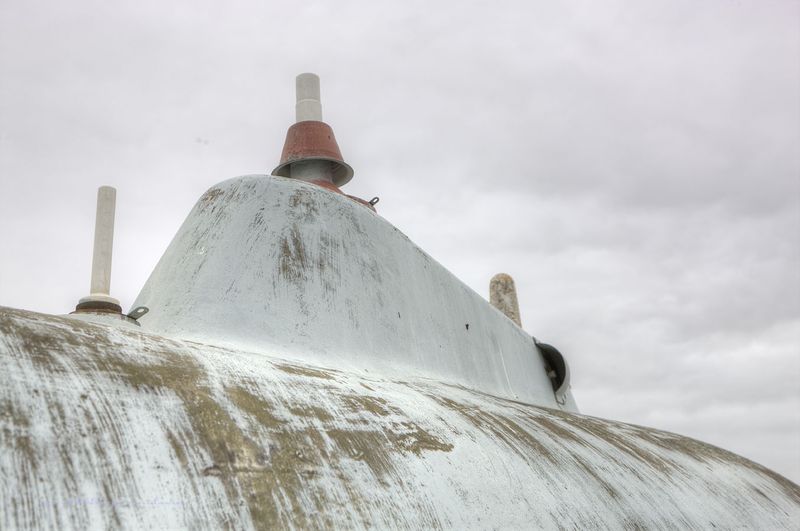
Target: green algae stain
(270, 463)
(240, 463)
(15, 427)
(502, 428)
(416, 440)
(254, 405)
(310, 412)
(372, 404)
(305, 371)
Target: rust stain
(208, 198)
(277, 452)
(258, 219)
(501, 428)
(177, 448)
(294, 261)
(267, 463)
(255, 406)
(417, 440)
(304, 205)
(310, 412)
(16, 427)
(306, 371)
(236, 459)
(372, 404)
(368, 446)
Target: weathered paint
(264, 263)
(313, 141)
(328, 185)
(106, 426)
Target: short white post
(503, 296)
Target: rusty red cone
(313, 140)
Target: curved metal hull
(109, 427)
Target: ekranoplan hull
(111, 427)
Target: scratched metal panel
(268, 262)
(105, 427)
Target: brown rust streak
(209, 198)
(177, 448)
(368, 446)
(412, 438)
(310, 412)
(287, 464)
(306, 371)
(308, 445)
(607, 433)
(620, 436)
(501, 428)
(42, 350)
(304, 205)
(238, 460)
(371, 404)
(515, 436)
(273, 475)
(600, 430)
(244, 472)
(15, 436)
(294, 261)
(561, 433)
(16, 428)
(705, 452)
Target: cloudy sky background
(634, 165)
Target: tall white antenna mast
(99, 298)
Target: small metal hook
(374, 200)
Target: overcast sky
(634, 165)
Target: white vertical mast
(100, 288)
(103, 240)
(309, 105)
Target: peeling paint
(288, 266)
(306, 371)
(108, 427)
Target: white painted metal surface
(105, 427)
(269, 264)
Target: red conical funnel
(311, 139)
